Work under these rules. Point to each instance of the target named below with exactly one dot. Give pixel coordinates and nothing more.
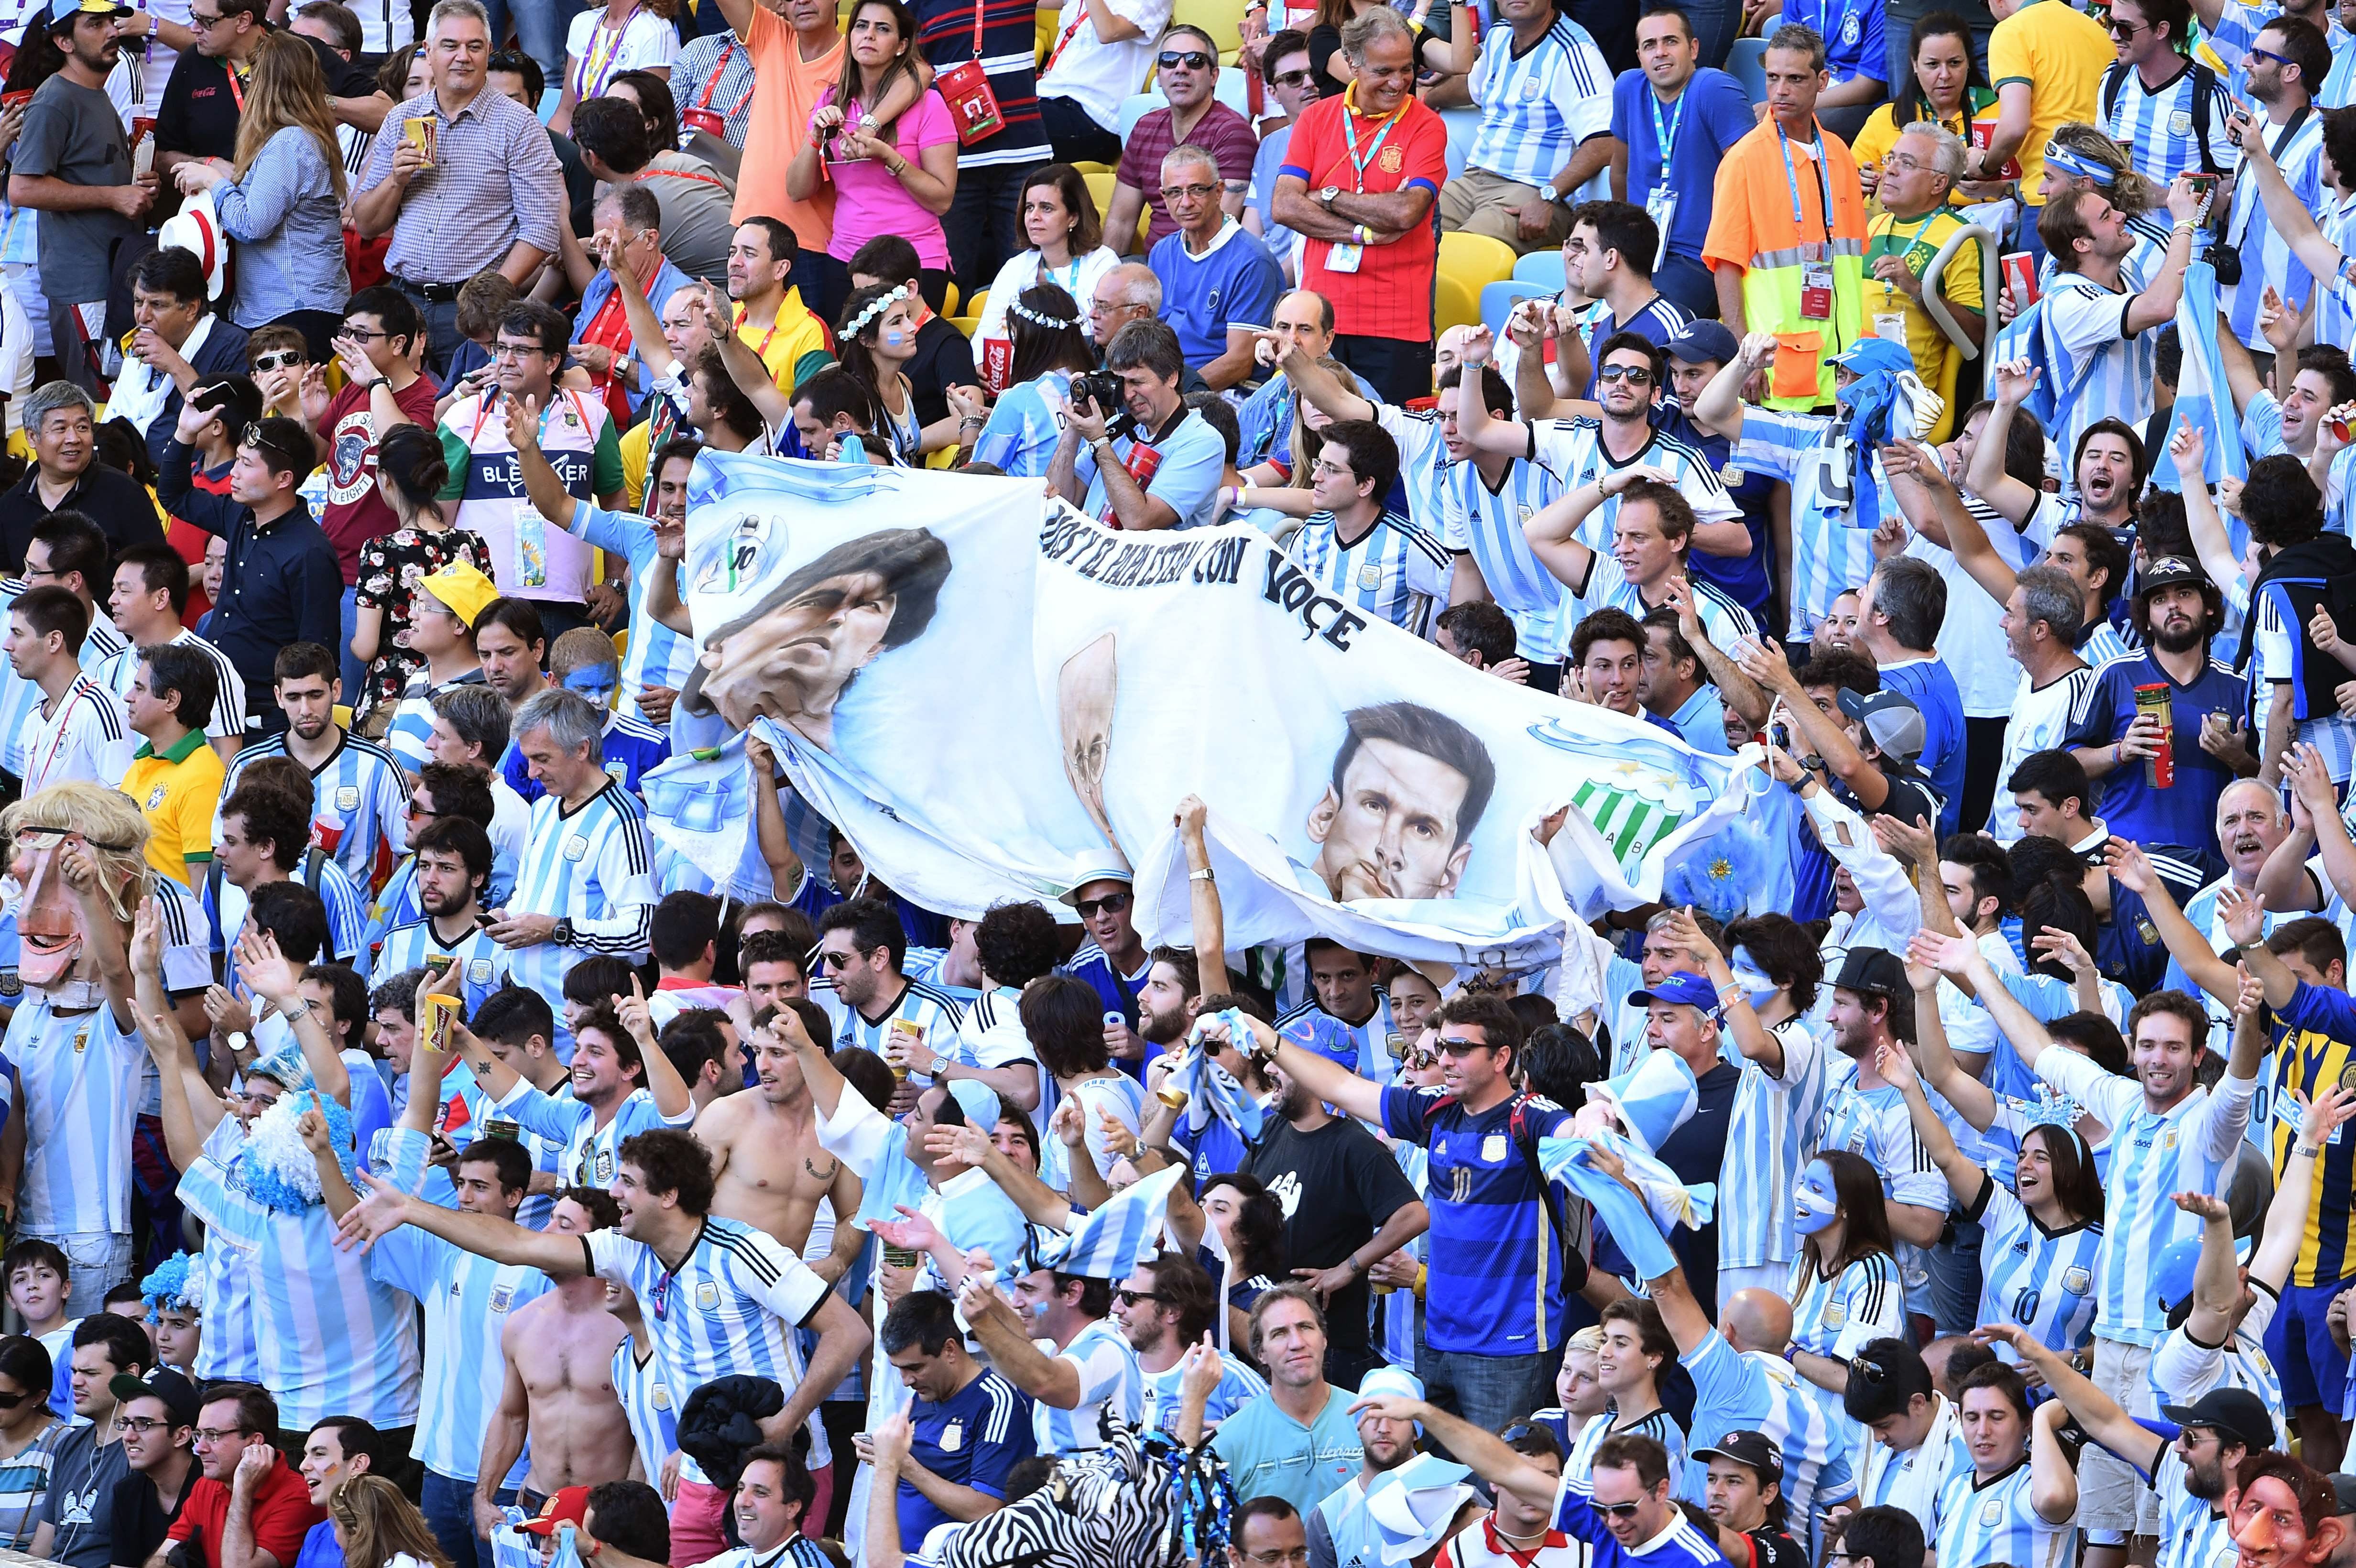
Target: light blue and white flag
(994, 697)
(2204, 398)
(1122, 1233)
(1210, 1089)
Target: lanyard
(1666, 134)
(604, 48)
(1065, 42)
(712, 84)
(762, 353)
(1792, 181)
(58, 736)
(1889, 243)
(483, 414)
(237, 89)
(1350, 129)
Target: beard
(1161, 1028)
(2178, 642)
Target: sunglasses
(1131, 1297)
(1619, 1510)
(279, 359)
(11, 1401)
(2119, 29)
(260, 439)
(1291, 77)
(2270, 55)
(1111, 904)
(1459, 1046)
(1634, 375)
(1192, 60)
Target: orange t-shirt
(777, 125)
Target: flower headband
(877, 306)
(1041, 318)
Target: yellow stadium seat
(1045, 31)
(1223, 19)
(622, 643)
(1477, 259)
(344, 715)
(1454, 303)
(949, 300)
(1090, 167)
(1099, 190)
(944, 458)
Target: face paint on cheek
(596, 682)
(1814, 1205)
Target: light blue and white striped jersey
(466, 1300)
(1660, 1426)
(2267, 258)
(1109, 1379)
(2086, 324)
(1487, 525)
(2042, 1280)
(1423, 465)
(1838, 1316)
(641, 1385)
(590, 1154)
(2181, 1371)
(656, 654)
(1573, 450)
(1364, 1048)
(2040, 721)
(1912, 1479)
(933, 1010)
(1394, 572)
(396, 903)
(1024, 426)
(2155, 126)
(78, 1092)
(409, 734)
(1830, 554)
(1537, 104)
(228, 1349)
(1755, 1392)
(2278, 660)
(314, 1303)
(590, 865)
(225, 905)
(358, 796)
(728, 1310)
(1875, 1123)
(2104, 642)
(2194, 1532)
(1723, 621)
(2335, 313)
(2200, 910)
(120, 669)
(1772, 1114)
(1238, 1385)
(415, 944)
(2154, 1156)
(1994, 1521)
(2237, 29)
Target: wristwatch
(1205, 875)
(562, 935)
(1326, 197)
(240, 1043)
(933, 1068)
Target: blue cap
(1682, 989)
(1703, 343)
(1868, 355)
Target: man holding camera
(1151, 462)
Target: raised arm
(663, 1082)
(1719, 410)
(1985, 473)
(2156, 305)
(1324, 390)
(1206, 918)
(2211, 541)
(2130, 869)
(547, 493)
(1328, 1081)
(1738, 690)
(2285, 1228)
(191, 1108)
(2105, 1421)
(2216, 1279)
(278, 982)
(386, 1208)
(1486, 1454)
(745, 367)
(2286, 214)
(1964, 1178)
(1960, 959)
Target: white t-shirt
(82, 740)
(2040, 723)
(1093, 73)
(1078, 278)
(593, 57)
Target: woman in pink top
(894, 176)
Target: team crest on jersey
(1849, 29)
(1992, 1512)
(502, 1297)
(659, 1398)
(618, 771)
(604, 1167)
(2167, 1139)
(576, 847)
(81, 1040)
(2077, 1280)
(2180, 124)
(1529, 87)
(1392, 161)
(707, 1297)
(1493, 1150)
(1370, 576)
(953, 1437)
(1836, 1314)
(478, 970)
(347, 797)
(2348, 1078)
(155, 798)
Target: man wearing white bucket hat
(1401, 1504)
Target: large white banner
(996, 697)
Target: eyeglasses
(1192, 60)
(278, 360)
(1457, 1045)
(505, 350)
(2123, 30)
(1172, 192)
(1291, 77)
(1902, 161)
(1634, 375)
(1131, 1297)
(220, 1433)
(1111, 904)
(1620, 1510)
(143, 1424)
(1273, 1559)
(361, 334)
(2270, 55)
(413, 811)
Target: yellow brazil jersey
(2059, 53)
(1872, 143)
(793, 347)
(2310, 1057)
(177, 790)
(1891, 312)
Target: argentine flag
(2202, 396)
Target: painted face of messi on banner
(1396, 821)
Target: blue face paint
(1757, 988)
(598, 682)
(1814, 1204)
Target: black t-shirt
(199, 113)
(1338, 1186)
(141, 1519)
(944, 358)
(1773, 1547)
(1694, 1151)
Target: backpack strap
(2204, 88)
(2114, 81)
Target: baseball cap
(1890, 718)
(566, 1505)
(1868, 355)
(461, 588)
(1683, 989)
(2169, 572)
(2343, 1491)
(67, 10)
(1755, 1450)
(1874, 971)
(2235, 1412)
(168, 1384)
(1703, 343)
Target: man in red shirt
(1360, 177)
(248, 1489)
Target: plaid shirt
(495, 180)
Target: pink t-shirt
(868, 201)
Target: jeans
(539, 33)
(440, 320)
(1690, 284)
(449, 1509)
(1075, 138)
(1487, 1391)
(1714, 23)
(354, 672)
(1956, 1277)
(94, 1260)
(985, 223)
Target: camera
(2227, 260)
(1104, 388)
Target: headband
(1041, 318)
(875, 308)
(2077, 164)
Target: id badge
(1662, 205)
(1891, 326)
(531, 545)
(1817, 291)
(1344, 258)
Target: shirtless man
(765, 1153)
(560, 1383)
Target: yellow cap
(462, 589)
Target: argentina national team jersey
(2194, 1532)
(1365, 1049)
(1991, 1522)
(1423, 461)
(1838, 1315)
(1394, 572)
(1912, 1479)
(588, 864)
(358, 798)
(591, 1153)
(1487, 525)
(2154, 1156)
(1723, 622)
(480, 961)
(1754, 1391)
(1158, 1398)
(2182, 1370)
(226, 904)
(932, 1010)
(1537, 103)
(18, 696)
(1573, 450)
(2267, 258)
(1755, 1215)
(2085, 324)
(2155, 124)
(2042, 1279)
(1109, 1380)
(629, 750)
(467, 1300)
(77, 1094)
(644, 1391)
(409, 735)
(656, 654)
(1659, 1425)
(1830, 553)
(2335, 312)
